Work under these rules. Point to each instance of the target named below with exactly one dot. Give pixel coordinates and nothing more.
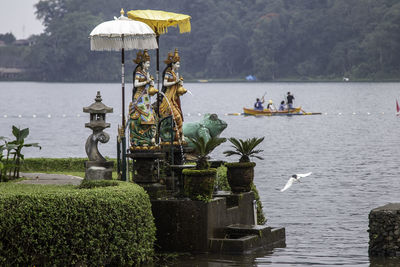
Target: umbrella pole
(158, 76)
(158, 82)
(123, 139)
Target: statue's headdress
(173, 58)
(142, 57)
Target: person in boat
(282, 106)
(173, 89)
(259, 104)
(289, 101)
(142, 124)
(271, 106)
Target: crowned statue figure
(173, 89)
(142, 122)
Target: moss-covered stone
(199, 184)
(240, 164)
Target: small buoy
(368, 113)
(199, 114)
(120, 115)
(5, 116)
(19, 116)
(326, 113)
(49, 116)
(34, 116)
(354, 113)
(63, 115)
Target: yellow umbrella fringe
(159, 21)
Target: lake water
(351, 149)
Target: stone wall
(384, 230)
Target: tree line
(271, 39)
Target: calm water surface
(352, 150)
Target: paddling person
(271, 106)
(259, 104)
(282, 106)
(289, 101)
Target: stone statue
(91, 146)
(142, 123)
(173, 89)
(210, 126)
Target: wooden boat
(267, 112)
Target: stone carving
(172, 89)
(142, 123)
(97, 167)
(91, 145)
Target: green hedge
(65, 226)
(56, 164)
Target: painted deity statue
(173, 89)
(142, 123)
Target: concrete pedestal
(95, 170)
(145, 172)
(218, 226)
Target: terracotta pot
(240, 176)
(199, 184)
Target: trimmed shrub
(86, 184)
(64, 226)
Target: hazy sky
(18, 17)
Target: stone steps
(244, 239)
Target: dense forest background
(230, 39)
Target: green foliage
(275, 40)
(63, 226)
(245, 148)
(202, 149)
(56, 164)
(222, 179)
(11, 165)
(260, 214)
(87, 184)
(8, 38)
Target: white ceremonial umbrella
(120, 34)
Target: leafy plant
(245, 148)
(203, 149)
(10, 166)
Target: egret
(294, 178)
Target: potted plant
(199, 182)
(241, 174)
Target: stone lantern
(97, 167)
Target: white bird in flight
(294, 178)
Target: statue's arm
(166, 83)
(140, 84)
